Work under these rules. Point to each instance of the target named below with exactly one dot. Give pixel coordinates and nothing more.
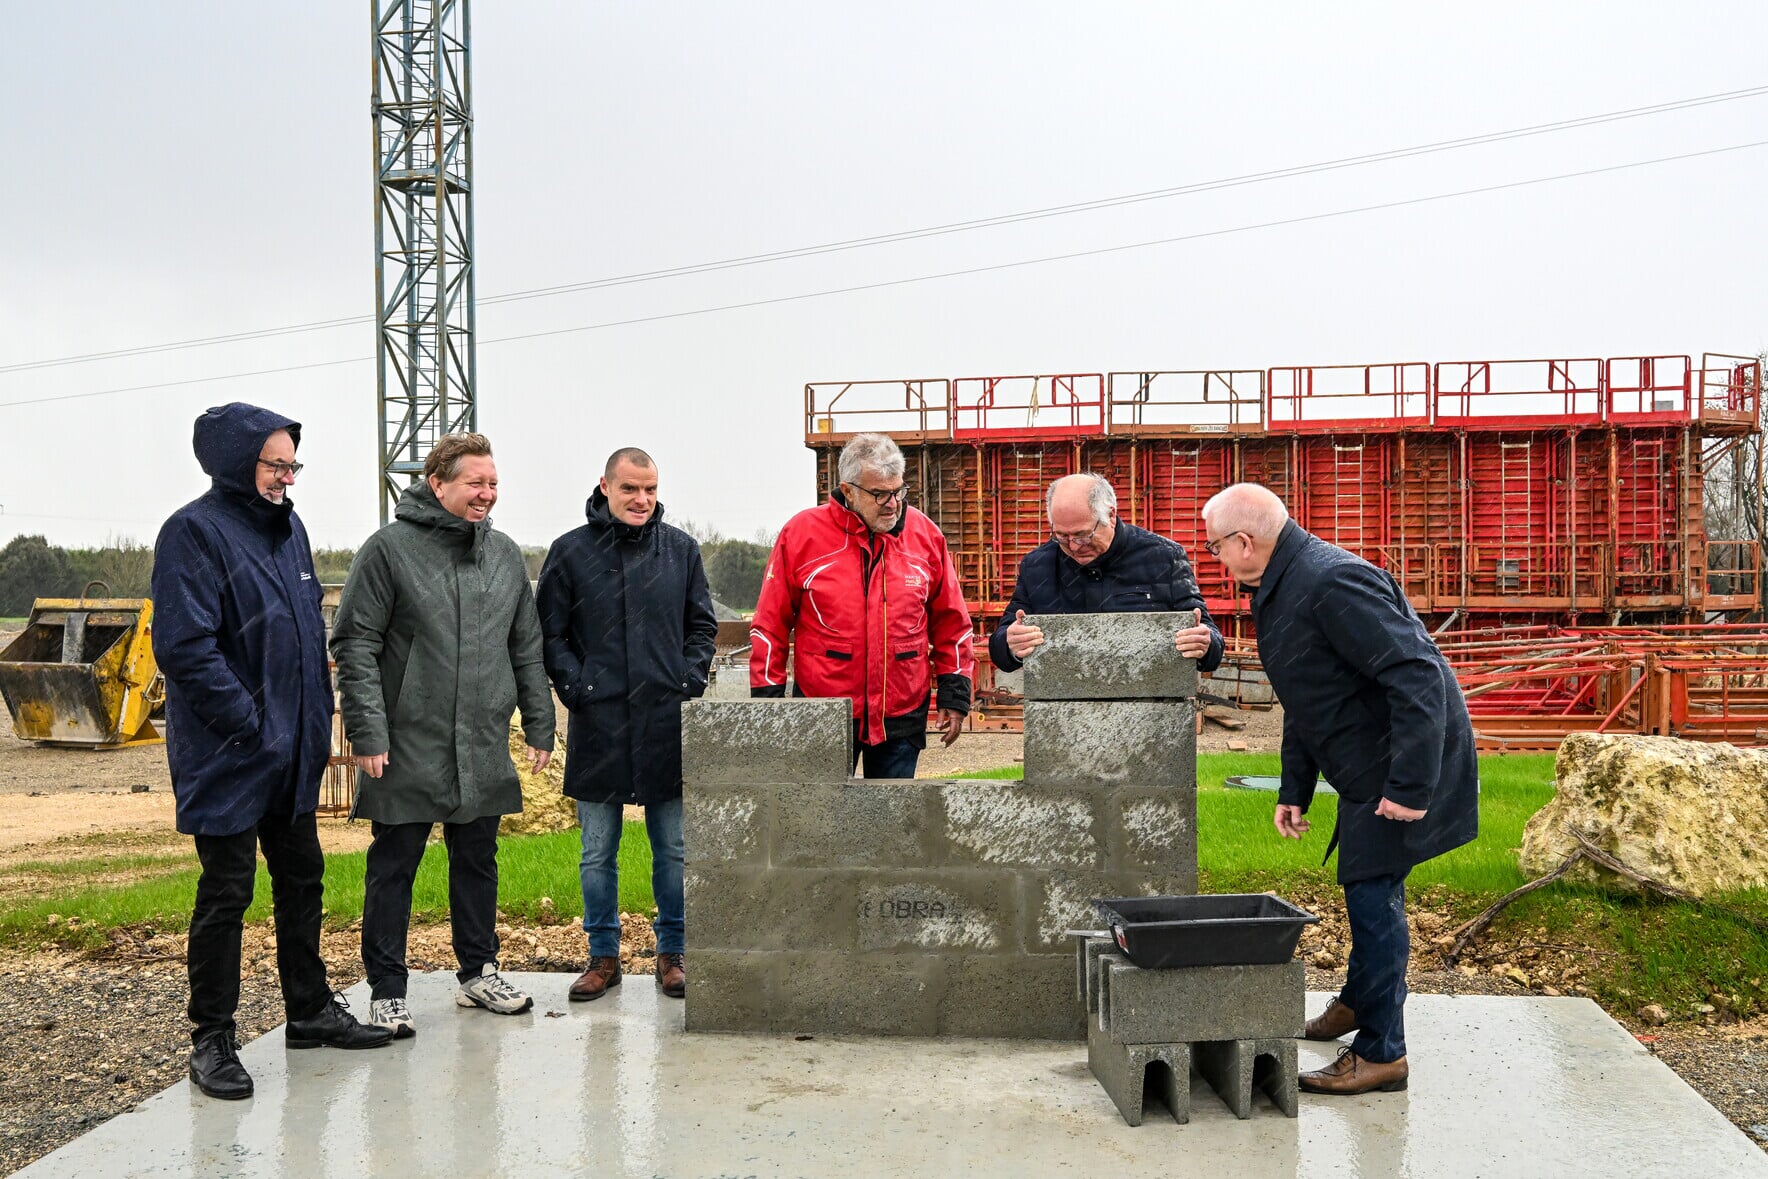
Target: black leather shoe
(216, 1070)
(335, 1027)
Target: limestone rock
(545, 808)
(1690, 815)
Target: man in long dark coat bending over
(1370, 702)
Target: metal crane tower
(423, 234)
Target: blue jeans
(599, 869)
(894, 757)
(1375, 980)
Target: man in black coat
(1095, 563)
(629, 632)
(239, 636)
(1370, 702)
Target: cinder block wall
(821, 903)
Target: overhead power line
(1194, 188)
(971, 270)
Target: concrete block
(756, 742)
(846, 822)
(1110, 657)
(1056, 902)
(1013, 996)
(858, 994)
(732, 991)
(1126, 1072)
(724, 824)
(1202, 1003)
(1089, 744)
(759, 908)
(1090, 955)
(938, 910)
(1154, 830)
(1237, 1068)
(1007, 823)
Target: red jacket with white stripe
(873, 616)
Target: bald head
(1085, 492)
(1083, 516)
(1251, 508)
(1243, 523)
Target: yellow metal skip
(83, 674)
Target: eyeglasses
(884, 496)
(283, 470)
(1215, 546)
(1075, 539)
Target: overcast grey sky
(190, 169)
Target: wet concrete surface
(1500, 1087)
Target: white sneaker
(494, 993)
(392, 1013)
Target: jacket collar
(596, 511)
(419, 505)
(1290, 543)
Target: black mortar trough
(1225, 929)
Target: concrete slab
(1500, 1087)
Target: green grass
(529, 867)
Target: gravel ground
(87, 1038)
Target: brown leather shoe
(1351, 1074)
(672, 975)
(594, 982)
(1337, 1020)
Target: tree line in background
(32, 568)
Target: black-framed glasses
(884, 496)
(1215, 546)
(283, 470)
(1075, 539)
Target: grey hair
(1101, 496)
(869, 452)
(1251, 508)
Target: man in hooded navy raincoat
(239, 636)
(1370, 702)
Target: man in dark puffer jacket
(1094, 563)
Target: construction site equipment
(1530, 689)
(426, 355)
(1569, 493)
(83, 673)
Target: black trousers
(386, 898)
(223, 893)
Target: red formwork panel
(1336, 398)
(1518, 394)
(1177, 478)
(1648, 531)
(1344, 492)
(1019, 474)
(1065, 405)
(1649, 390)
(1424, 512)
(949, 485)
(1523, 548)
(1271, 462)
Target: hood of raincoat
(419, 505)
(228, 440)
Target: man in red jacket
(865, 584)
